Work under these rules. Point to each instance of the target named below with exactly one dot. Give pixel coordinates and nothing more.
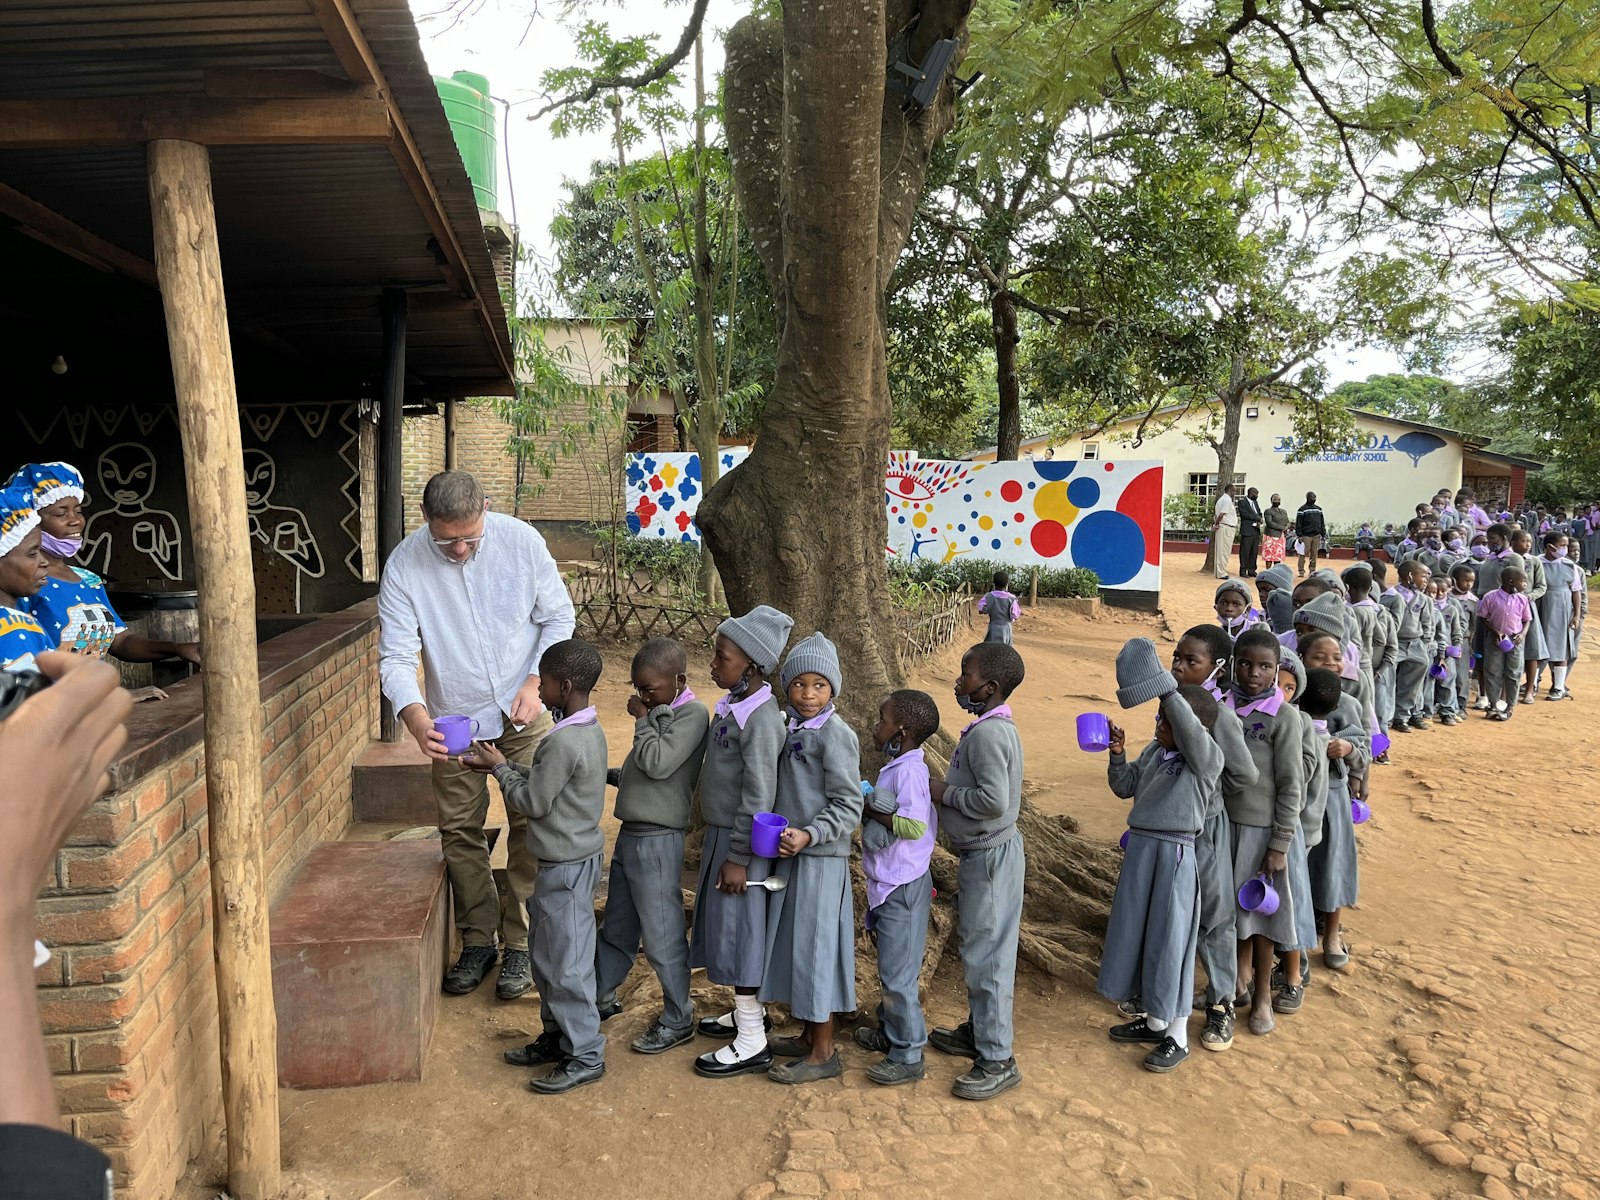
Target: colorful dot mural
(1105, 516)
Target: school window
(1204, 485)
(1091, 452)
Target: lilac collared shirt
(816, 722)
(1269, 704)
(742, 708)
(1000, 710)
(685, 697)
(902, 861)
(584, 716)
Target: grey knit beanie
(1289, 660)
(1332, 577)
(817, 655)
(1326, 612)
(1235, 585)
(762, 633)
(1140, 675)
(1277, 575)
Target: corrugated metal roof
(309, 234)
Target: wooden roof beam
(50, 227)
(351, 48)
(205, 120)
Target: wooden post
(1033, 588)
(450, 435)
(189, 270)
(391, 479)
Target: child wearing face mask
(1559, 610)
(1533, 651)
(1455, 621)
(1505, 615)
(979, 800)
(1288, 990)
(1462, 578)
(897, 836)
(1235, 613)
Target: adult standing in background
(1309, 528)
(476, 598)
(1274, 532)
(1249, 532)
(1224, 523)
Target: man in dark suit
(1249, 532)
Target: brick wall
(580, 486)
(128, 1001)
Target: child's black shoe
(1135, 1031)
(1168, 1056)
(1289, 1000)
(959, 1041)
(1218, 1033)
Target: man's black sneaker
(516, 975)
(469, 970)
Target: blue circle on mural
(1109, 544)
(1032, 484)
(962, 527)
(902, 520)
(966, 499)
(974, 541)
(1053, 470)
(1083, 492)
(995, 543)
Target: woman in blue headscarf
(72, 606)
(22, 573)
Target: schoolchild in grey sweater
(562, 793)
(979, 800)
(655, 790)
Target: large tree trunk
(828, 173)
(1003, 313)
(1232, 399)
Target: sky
(514, 42)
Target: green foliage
(1553, 383)
(1424, 398)
(978, 576)
(1185, 510)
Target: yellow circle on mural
(1050, 503)
(985, 522)
(920, 520)
(1018, 541)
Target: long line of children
(774, 928)
(1241, 849)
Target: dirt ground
(1456, 1057)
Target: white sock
(1178, 1031)
(1156, 1024)
(1558, 677)
(750, 1018)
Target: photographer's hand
(54, 751)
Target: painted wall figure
(131, 541)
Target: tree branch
(657, 70)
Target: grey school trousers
(644, 906)
(561, 946)
(1502, 672)
(989, 917)
(1218, 939)
(1384, 687)
(900, 928)
(1409, 676)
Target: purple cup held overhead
(1259, 896)
(1507, 645)
(1094, 732)
(457, 732)
(1360, 812)
(764, 833)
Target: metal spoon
(773, 883)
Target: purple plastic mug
(1360, 812)
(1122, 842)
(1259, 896)
(1507, 645)
(1094, 732)
(457, 732)
(1452, 651)
(1439, 671)
(764, 833)
(1380, 744)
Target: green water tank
(471, 112)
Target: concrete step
(392, 782)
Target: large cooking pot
(164, 610)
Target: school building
(1395, 465)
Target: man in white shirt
(1223, 527)
(476, 598)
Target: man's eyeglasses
(446, 543)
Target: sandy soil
(1455, 1058)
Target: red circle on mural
(905, 487)
(1011, 491)
(1110, 467)
(1019, 518)
(1049, 538)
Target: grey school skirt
(811, 952)
(729, 934)
(1154, 928)
(1335, 874)
(1249, 848)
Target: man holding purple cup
(475, 598)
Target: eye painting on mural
(1375, 447)
(1102, 515)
